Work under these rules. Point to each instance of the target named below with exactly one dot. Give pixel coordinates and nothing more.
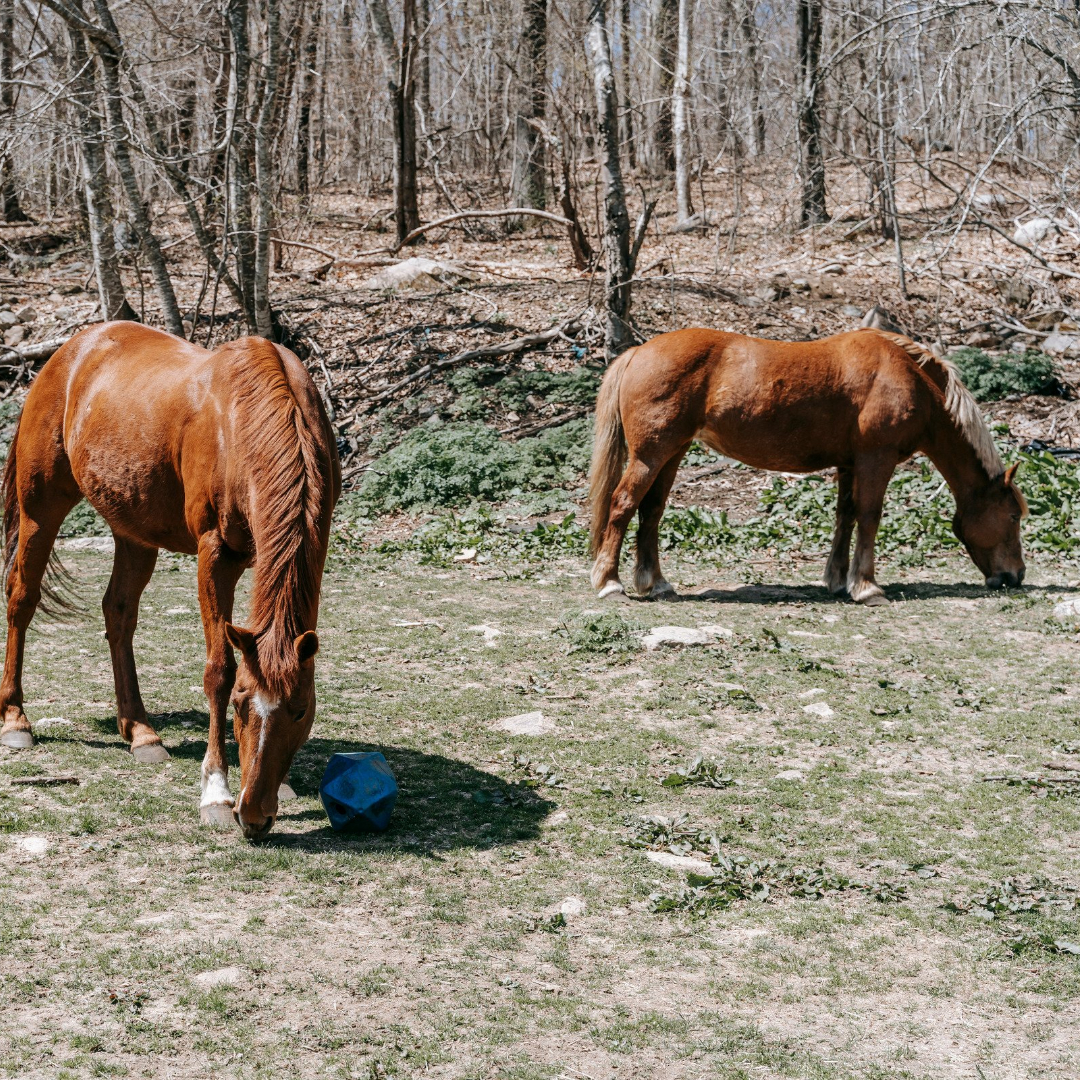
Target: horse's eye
(299, 716)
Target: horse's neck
(955, 458)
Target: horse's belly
(781, 441)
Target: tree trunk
(264, 188)
(527, 185)
(748, 25)
(666, 30)
(241, 185)
(628, 111)
(99, 209)
(402, 85)
(105, 48)
(812, 209)
(680, 109)
(9, 196)
(307, 96)
(618, 270)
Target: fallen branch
(514, 211)
(1062, 766)
(45, 781)
(29, 354)
(502, 348)
(521, 431)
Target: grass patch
(991, 376)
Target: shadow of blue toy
(358, 792)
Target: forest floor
(528, 913)
(877, 908)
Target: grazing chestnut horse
(227, 455)
(860, 402)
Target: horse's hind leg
(836, 569)
(648, 579)
(633, 487)
(133, 566)
(40, 518)
(872, 474)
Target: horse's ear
(240, 639)
(1010, 473)
(307, 645)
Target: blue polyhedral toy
(358, 792)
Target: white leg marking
(215, 790)
(611, 588)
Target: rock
(1061, 344)
(468, 555)
(490, 633)
(530, 723)
(678, 862)
(26, 314)
(1031, 232)
(226, 976)
(89, 543)
(1068, 611)
(818, 708)
(767, 293)
(8, 319)
(14, 335)
(572, 906)
(851, 311)
(982, 339)
(33, 845)
(834, 268)
(52, 721)
(417, 273)
(790, 774)
(683, 635)
(64, 314)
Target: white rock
(1031, 232)
(226, 976)
(468, 555)
(490, 633)
(52, 721)
(26, 314)
(790, 774)
(530, 723)
(818, 708)
(1068, 610)
(417, 273)
(33, 845)
(812, 693)
(14, 336)
(178, 611)
(572, 906)
(90, 543)
(8, 319)
(1061, 344)
(683, 635)
(678, 862)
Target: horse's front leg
(219, 571)
(133, 566)
(872, 474)
(836, 569)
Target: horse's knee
(218, 677)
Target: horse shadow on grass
(443, 804)
(896, 592)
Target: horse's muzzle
(1005, 580)
(254, 829)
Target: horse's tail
(960, 403)
(609, 450)
(11, 505)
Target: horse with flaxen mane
(227, 455)
(859, 402)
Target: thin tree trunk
(666, 30)
(307, 96)
(618, 269)
(680, 109)
(628, 111)
(241, 184)
(402, 85)
(9, 196)
(748, 25)
(99, 209)
(264, 135)
(812, 209)
(105, 48)
(527, 185)
(423, 73)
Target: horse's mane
(959, 403)
(287, 489)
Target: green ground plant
(993, 376)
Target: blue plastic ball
(358, 792)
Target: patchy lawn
(541, 906)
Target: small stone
(8, 319)
(850, 311)
(1031, 232)
(683, 635)
(1061, 344)
(226, 976)
(26, 314)
(63, 314)
(33, 845)
(490, 634)
(1068, 611)
(818, 708)
(678, 862)
(572, 906)
(530, 723)
(52, 721)
(790, 774)
(14, 335)
(468, 555)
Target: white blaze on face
(264, 706)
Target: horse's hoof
(285, 793)
(217, 816)
(875, 600)
(150, 754)
(663, 590)
(612, 588)
(17, 739)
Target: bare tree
(528, 180)
(665, 21)
(9, 196)
(680, 110)
(812, 209)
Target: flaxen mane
(959, 403)
(289, 478)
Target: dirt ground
(137, 943)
